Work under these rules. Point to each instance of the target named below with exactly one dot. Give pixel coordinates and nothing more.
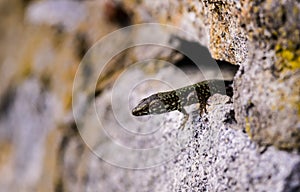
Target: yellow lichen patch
(295, 64)
(287, 54)
(288, 58)
(248, 127)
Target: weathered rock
(267, 87)
(42, 45)
(211, 156)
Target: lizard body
(163, 102)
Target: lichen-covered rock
(216, 23)
(228, 40)
(268, 86)
(263, 37)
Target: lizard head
(142, 108)
(149, 105)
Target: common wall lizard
(163, 102)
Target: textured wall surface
(247, 143)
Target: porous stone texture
(248, 143)
(268, 84)
(212, 155)
(262, 37)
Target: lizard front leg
(185, 117)
(202, 108)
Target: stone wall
(58, 104)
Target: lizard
(164, 102)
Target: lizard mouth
(134, 112)
(138, 112)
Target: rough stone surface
(267, 87)
(263, 37)
(214, 156)
(234, 147)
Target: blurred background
(42, 44)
